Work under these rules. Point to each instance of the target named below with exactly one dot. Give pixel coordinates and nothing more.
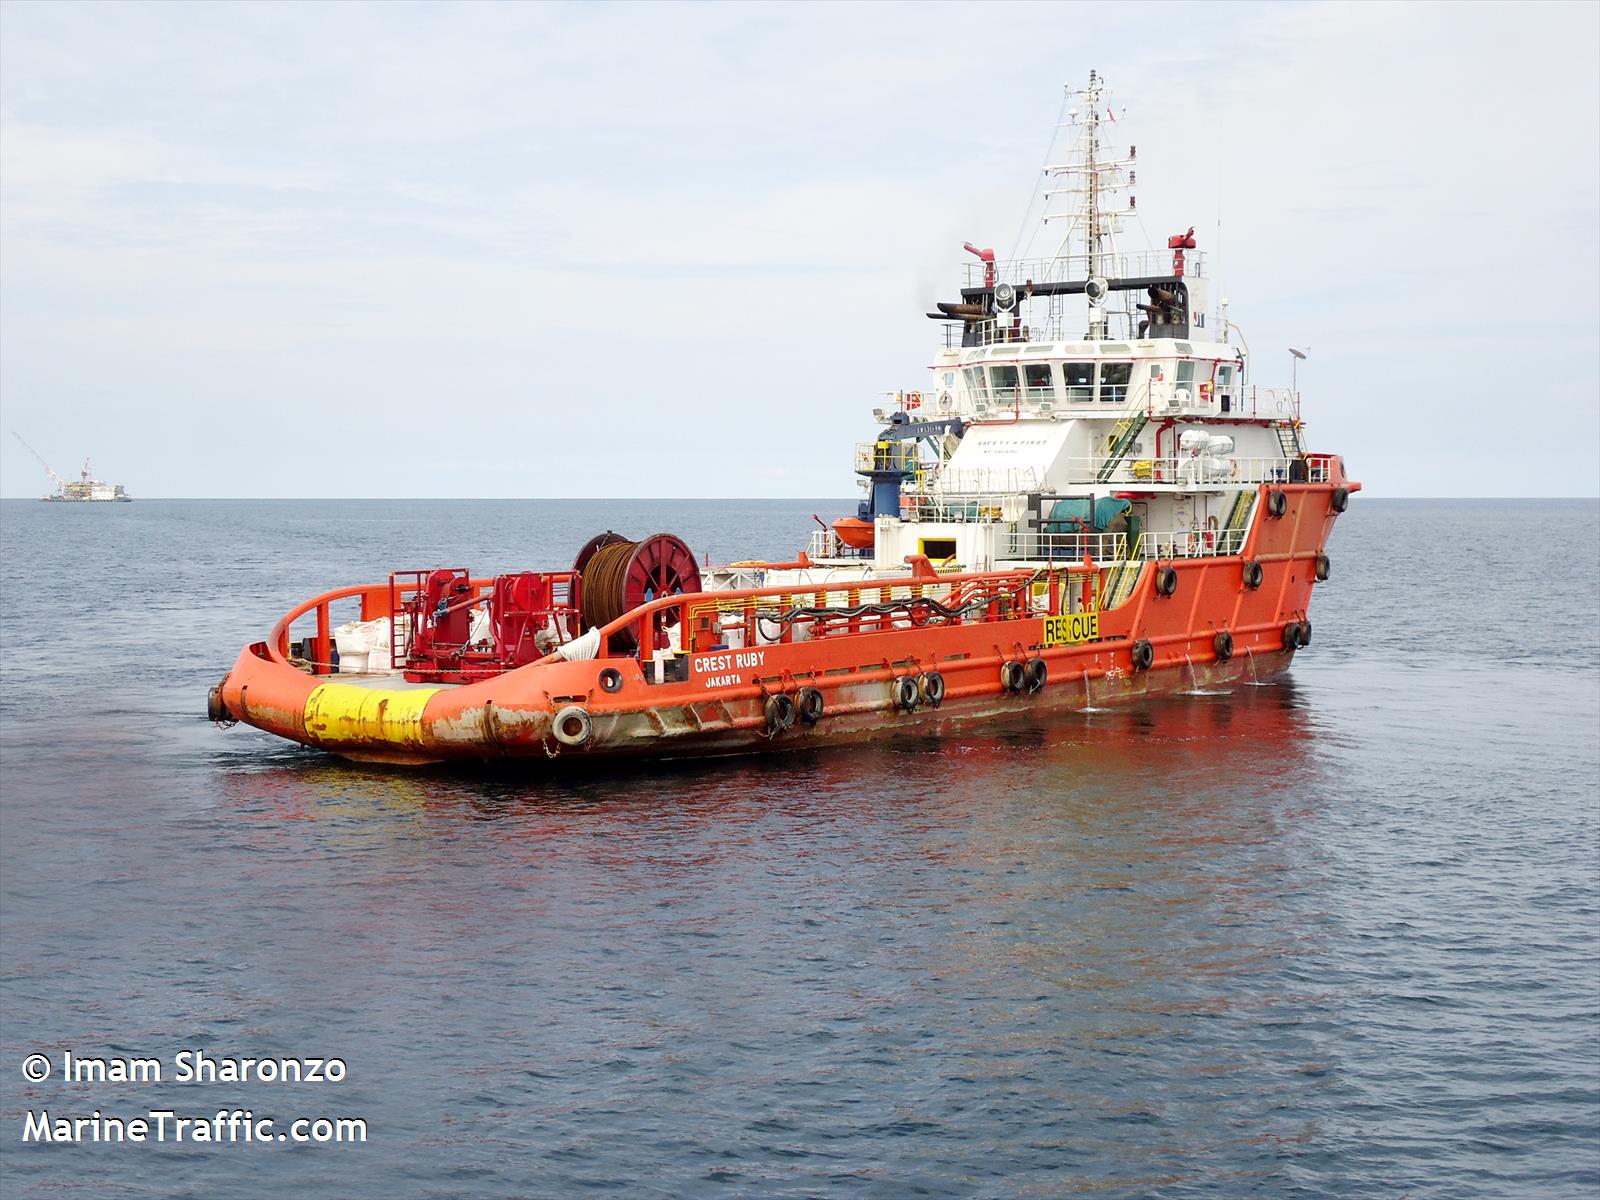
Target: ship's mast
(1094, 177)
(1091, 179)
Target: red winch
(449, 630)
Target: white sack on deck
(578, 650)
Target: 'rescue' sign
(1071, 628)
(721, 670)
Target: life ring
(780, 712)
(572, 726)
(945, 403)
(1036, 674)
(1013, 676)
(1324, 567)
(1253, 574)
(906, 693)
(1339, 500)
(611, 680)
(932, 685)
(808, 703)
(1291, 636)
(1143, 655)
(1166, 581)
(1223, 645)
(1277, 503)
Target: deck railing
(1113, 547)
(1019, 272)
(1195, 470)
(712, 622)
(963, 507)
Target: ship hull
(1224, 620)
(343, 718)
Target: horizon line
(727, 499)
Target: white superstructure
(1085, 403)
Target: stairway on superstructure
(1232, 540)
(1120, 440)
(1288, 438)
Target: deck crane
(49, 470)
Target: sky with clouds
(669, 250)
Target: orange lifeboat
(854, 532)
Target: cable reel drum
(619, 575)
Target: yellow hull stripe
(340, 714)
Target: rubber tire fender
(1166, 581)
(572, 726)
(1013, 676)
(1305, 633)
(1253, 574)
(932, 686)
(1324, 568)
(611, 680)
(1143, 655)
(809, 704)
(1277, 503)
(906, 693)
(1291, 636)
(1339, 499)
(216, 709)
(1223, 645)
(1036, 674)
(780, 712)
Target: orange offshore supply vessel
(1088, 504)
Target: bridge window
(975, 382)
(1079, 377)
(1003, 381)
(1114, 377)
(1040, 385)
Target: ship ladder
(1288, 439)
(1232, 540)
(1120, 440)
(1121, 578)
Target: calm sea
(1334, 936)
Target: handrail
(862, 585)
(277, 643)
(278, 639)
(650, 608)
